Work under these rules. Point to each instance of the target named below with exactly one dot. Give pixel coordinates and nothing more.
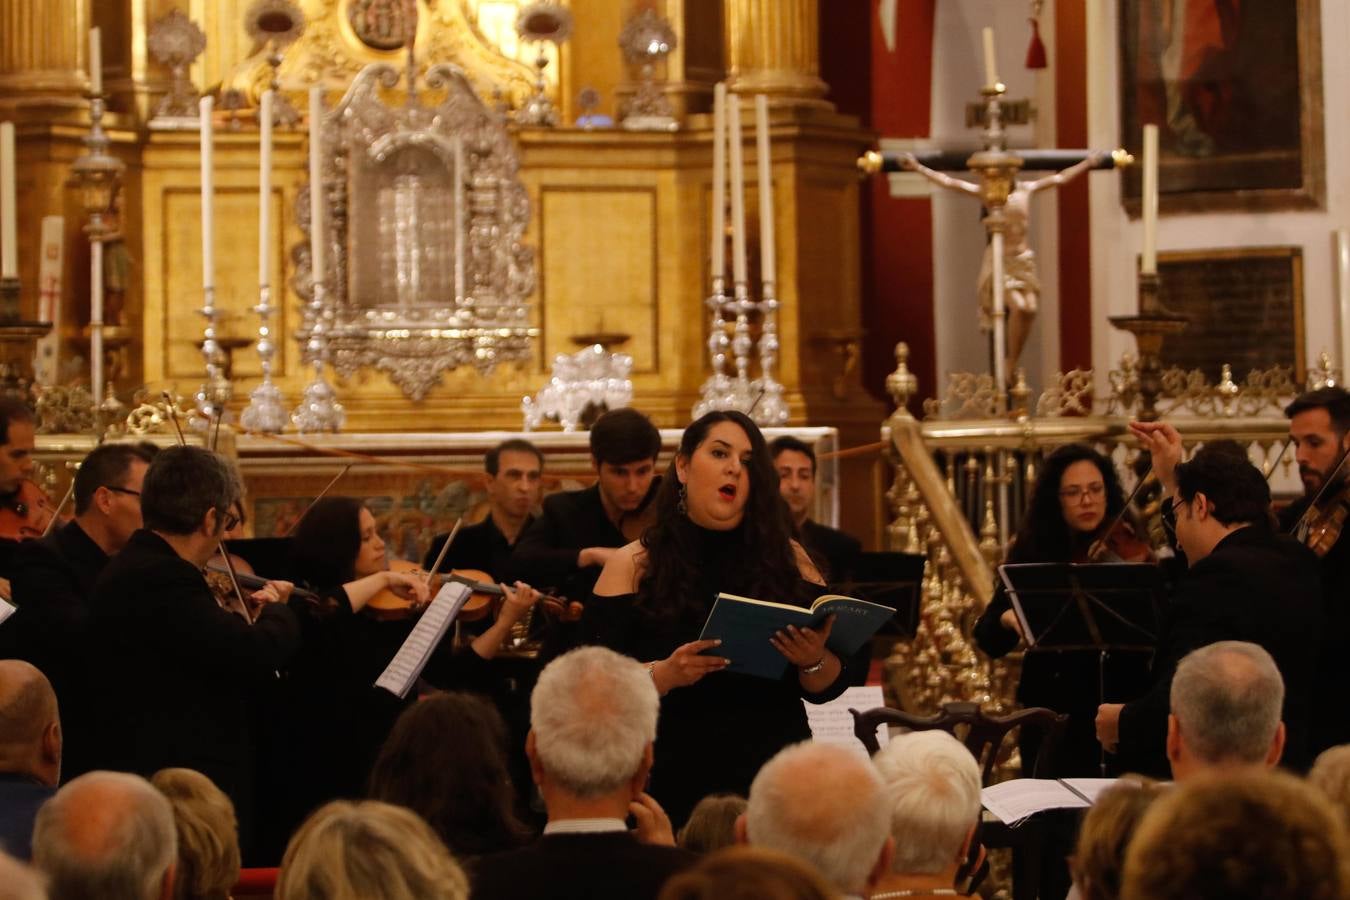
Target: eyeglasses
(128, 491)
(231, 520)
(1075, 493)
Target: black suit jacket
(480, 546)
(579, 867)
(52, 580)
(546, 552)
(1255, 586)
(838, 550)
(174, 672)
(20, 798)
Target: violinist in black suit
(1319, 428)
(173, 670)
(1245, 583)
(54, 577)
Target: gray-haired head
(30, 723)
(824, 805)
(1227, 699)
(183, 484)
(933, 789)
(593, 714)
(108, 835)
(19, 882)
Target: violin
(27, 513)
(1326, 515)
(252, 582)
(389, 604)
(1122, 544)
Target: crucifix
(1008, 279)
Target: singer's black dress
(712, 736)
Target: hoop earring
(681, 505)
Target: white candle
(767, 257)
(990, 65)
(719, 188)
(9, 231)
(738, 266)
(1343, 293)
(316, 192)
(95, 62)
(460, 174)
(208, 196)
(1149, 265)
(265, 191)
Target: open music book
(1012, 801)
(744, 626)
(407, 665)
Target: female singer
(1074, 500)
(721, 526)
(337, 719)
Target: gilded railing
(963, 475)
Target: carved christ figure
(1021, 282)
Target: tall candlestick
(719, 191)
(265, 191)
(738, 265)
(208, 195)
(460, 176)
(1343, 294)
(9, 232)
(95, 61)
(767, 258)
(990, 64)
(316, 192)
(1149, 264)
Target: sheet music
(832, 723)
(1013, 801)
(7, 609)
(403, 670)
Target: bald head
(106, 834)
(825, 805)
(30, 730)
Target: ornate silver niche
(426, 212)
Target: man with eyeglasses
(54, 575)
(175, 673)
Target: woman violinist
(337, 719)
(1074, 501)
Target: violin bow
(56, 513)
(445, 548)
(326, 488)
(1276, 464)
(1317, 498)
(1100, 543)
(220, 544)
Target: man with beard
(1319, 427)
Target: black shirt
(52, 581)
(481, 546)
(546, 553)
(594, 866)
(1254, 586)
(836, 549)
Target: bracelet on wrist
(813, 668)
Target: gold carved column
(774, 48)
(43, 49)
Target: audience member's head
(826, 806)
(712, 823)
(368, 851)
(1331, 775)
(1226, 701)
(1105, 835)
(592, 724)
(748, 873)
(108, 835)
(445, 760)
(933, 794)
(18, 881)
(208, 835)
(1253, 834)
(30, 724)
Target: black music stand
(891, 579)
(1102, 607)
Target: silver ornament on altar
(646, 40)
(584, 384)
(542, 23)
(176, 41)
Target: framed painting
(1235, 89)
(1245, 307)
